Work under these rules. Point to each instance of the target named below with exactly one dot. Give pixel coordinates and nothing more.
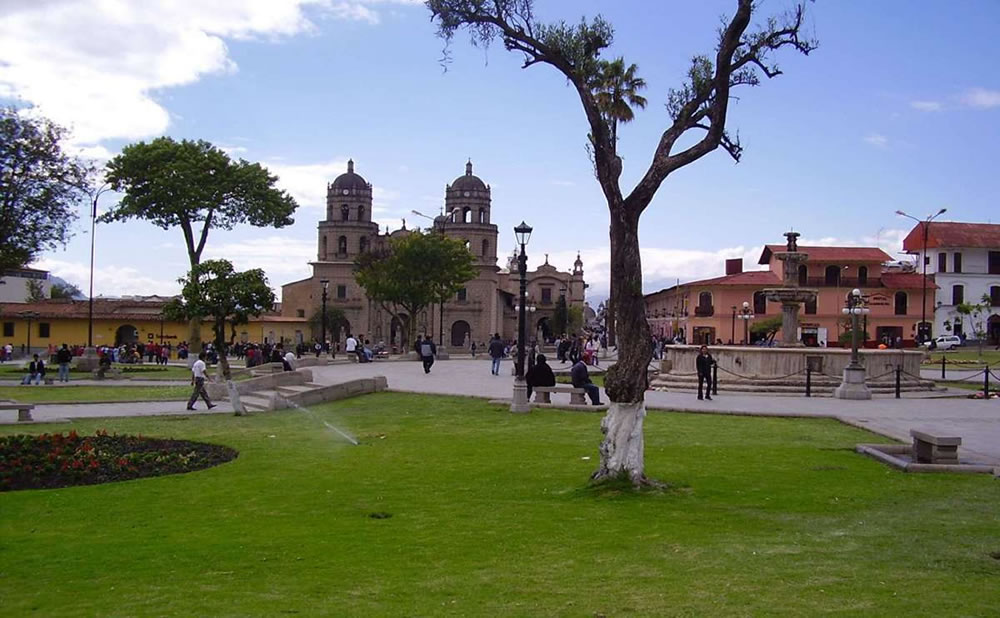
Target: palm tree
(616, 92)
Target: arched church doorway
(460, 331)
(543, 330)
(126, 334)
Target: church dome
(468, 182)
(350, 180)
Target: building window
(43, 329)
(994, 299)
(994, 263)
(900, 303)
(546, 296)
(957, 262)
(8, 329)
(862, 276)
(341, 292)
(832, 276)
(324, 247)
(463, 295)
(342, 245)
(957, 294)
(803, 275)
(811, 306)
(363, 244)
(704, 308)
(361, 213)
(759, 303)
(482, 215)
(486, 247)
(466, 215)
(942, 262)
(301, 313)
(345, 212)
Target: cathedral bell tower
(348, 228)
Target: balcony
(704, 312)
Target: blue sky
(899, 108)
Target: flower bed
(55, 460)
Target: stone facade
(484, 306)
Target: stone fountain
(790, 295)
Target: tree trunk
(627, 380)
(220, 348)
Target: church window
(486, 247)
(463, 295)
(341, 292)
(482, 215)
(344, 212)
(466, 215)
(546, 296)
(361, 213)
(323, 244)
(363, 244)
(342, 245)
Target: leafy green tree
(766, 328)
(976, 315)
(40, 185)
(36, 291)
(64, 290)
(335, 321)
(415, 271)
(560, 318)
(188, 184)
(698, 112)
(574, 319)
(214, 290)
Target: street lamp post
(322, 328)
(732, 330)
(29, 316)
(520, 402)
(853, 385)
(925, 224)
(746, 314)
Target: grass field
(84, 394)
(967, 354)
(491, 515)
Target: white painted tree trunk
(622, 448)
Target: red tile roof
(831, 254)
(952, 234)
(906, 281)
(104, 309)
(750, 277)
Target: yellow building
(48, 324)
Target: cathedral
(486, 304)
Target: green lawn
(84, 394)
(491, 515)
(966, 354)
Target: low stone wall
(761, 362)
(333, 392)
(261, 383)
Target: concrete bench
(576, 395)
(23, 410)
(933, 448)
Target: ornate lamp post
(922, 334)
(732, 331)
(746, 314)
(29, 316)
(89, 360)
(322, 328)
(520, 402)
(853, 386)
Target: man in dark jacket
(704, 364)
(496, 353)
(427, 350)
(581, 379)
(540, 374)
(64, 357)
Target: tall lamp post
(520, 402)
(29, 316)
(853, 386)
(922, 334)
(746, 314)
(322, 328)
(732, 331)
(89, 360)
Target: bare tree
(700, 105)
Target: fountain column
(790, 295)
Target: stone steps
(820, 384)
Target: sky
(898, 109)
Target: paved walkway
(978, 422)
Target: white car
(945, 342)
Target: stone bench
(576, 395)
(934, 448)
(23, 410)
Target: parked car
(944, 342)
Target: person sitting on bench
(540, 374)
(581, 379)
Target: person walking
(427, 351)
(704, 364)
(581, 379)
(496, 353)
(540, 374)
(198, 379)
(64, 357)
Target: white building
(14, 284)
(965, 261)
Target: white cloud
(109, 280)
(982, 98)
(307, 182)
(283, 259)
(96, 66)
(926, 106)
(877, 139)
